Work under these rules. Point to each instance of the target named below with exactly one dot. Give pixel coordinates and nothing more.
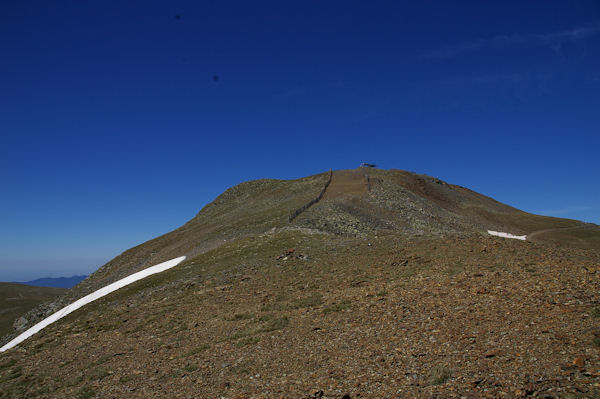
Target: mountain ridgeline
(386, 277)
(58, 282)
(356, 203)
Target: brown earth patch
(347, 183)
(461, 316)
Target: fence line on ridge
(310, 203)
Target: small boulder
(20, 323)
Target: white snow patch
(507, 235)
(92, 297)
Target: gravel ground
(388, 316)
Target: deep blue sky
(113, 130)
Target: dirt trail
(540, 232)
(347, 182)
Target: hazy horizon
(23, 270)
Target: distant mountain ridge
(57, 282)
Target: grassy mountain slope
(17, 299)
(248, 208)
(417, 204)
(387, 287)
(476, 207)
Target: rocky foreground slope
(387, 287)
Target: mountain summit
(365, 282)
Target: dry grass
(370, 313)
(440, 374)
(18, 299)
